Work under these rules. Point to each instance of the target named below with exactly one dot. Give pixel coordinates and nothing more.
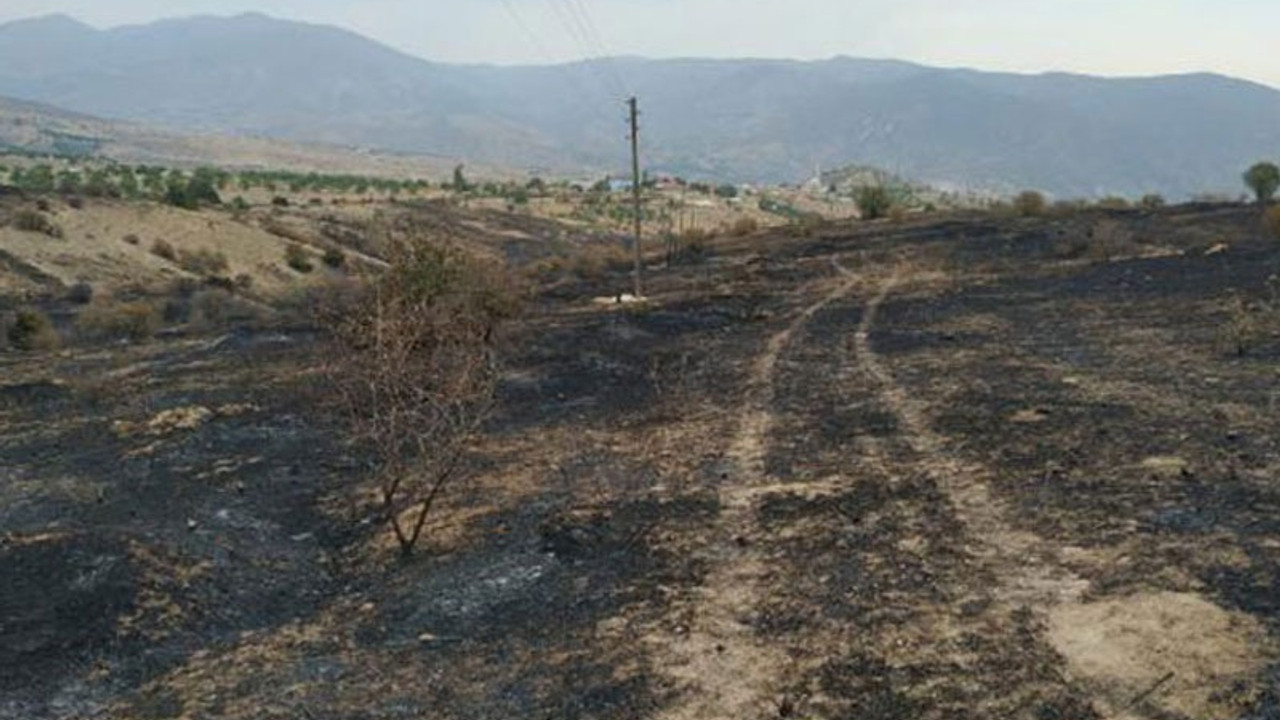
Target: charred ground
(881, 470)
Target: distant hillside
(751, 120)
(33, 128)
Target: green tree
(1263, 179)
(459, 180)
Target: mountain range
(734, 120)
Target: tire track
(1027, 567)
(723, 668)
(1106, 643)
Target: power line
(579, 29)
(594, 36)
(536, 42)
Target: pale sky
(1106, 37)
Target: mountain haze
(769, 120)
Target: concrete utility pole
(635, 195)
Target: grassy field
(957, 466)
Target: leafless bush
(1030, 203)
(1271, 219)
(203, 262)
(31, 330)
(32, 221)
(413, 372)
(1241, 329)
(109, 320)
(744, 226)
(297, 257)
(162, 249)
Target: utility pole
(635, 195)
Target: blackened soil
(222, 570)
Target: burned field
(970, 467)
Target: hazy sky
(1109, 37)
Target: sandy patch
(1176, 652)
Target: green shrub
(296, 257)
(874, 202)
(32, 330)
(1030, 203)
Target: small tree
(1263, 179)
(414, 374)
(460, 180)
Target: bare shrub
(132, 239)
(413, 372)
(296, 257)
(162, 249)
(1271, 220)
(1030, 203)
(80, 293)
(203, 262)
(217, 308)
(744, 226)
(1241, 329)
(691, 246)
(334, 258)
(134, 321)
(1114, 202)
(32, 330)
(32, 221)
(1109, 240)
(1152, 202)
(596, 262)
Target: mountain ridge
(736, 119)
